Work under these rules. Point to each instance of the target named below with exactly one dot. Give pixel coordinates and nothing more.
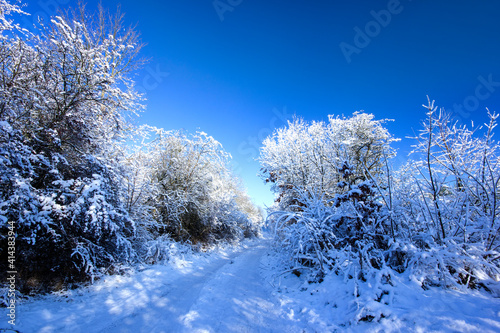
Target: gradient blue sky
(239, 71)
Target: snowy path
(228, 291)
(224, 293)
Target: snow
(220, 292)
(239, 289)
(330, 306)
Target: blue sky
(237, 69)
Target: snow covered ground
(240, 290)
(331, 307)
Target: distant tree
(182, 184)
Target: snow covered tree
(65, 91)
(435, 218)
(452, 209)
(195, 196)
(307, 157)
(71, 79)
(180, 185)
(328, 178)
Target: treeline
(341, 207)
(87, 191)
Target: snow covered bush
(71, 77)
(68, 219)
(327, 178)
(315, 233)
(193, 196)
(318, 239)
(64, 96)
(307, 157)
(161, 250)
(452, 210)
(341, 210)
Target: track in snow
(225, 294)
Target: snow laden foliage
(84, 195)
(7, 9)
(69, 84)
(347, 213)
(307, 157)
(182, 187)
(68, 218)
(447, 203)
(61, 106)
(64, 96)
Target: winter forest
(96, 208)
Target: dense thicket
(186, 190)
(306, 157)
(82, 193)
(347, 212)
